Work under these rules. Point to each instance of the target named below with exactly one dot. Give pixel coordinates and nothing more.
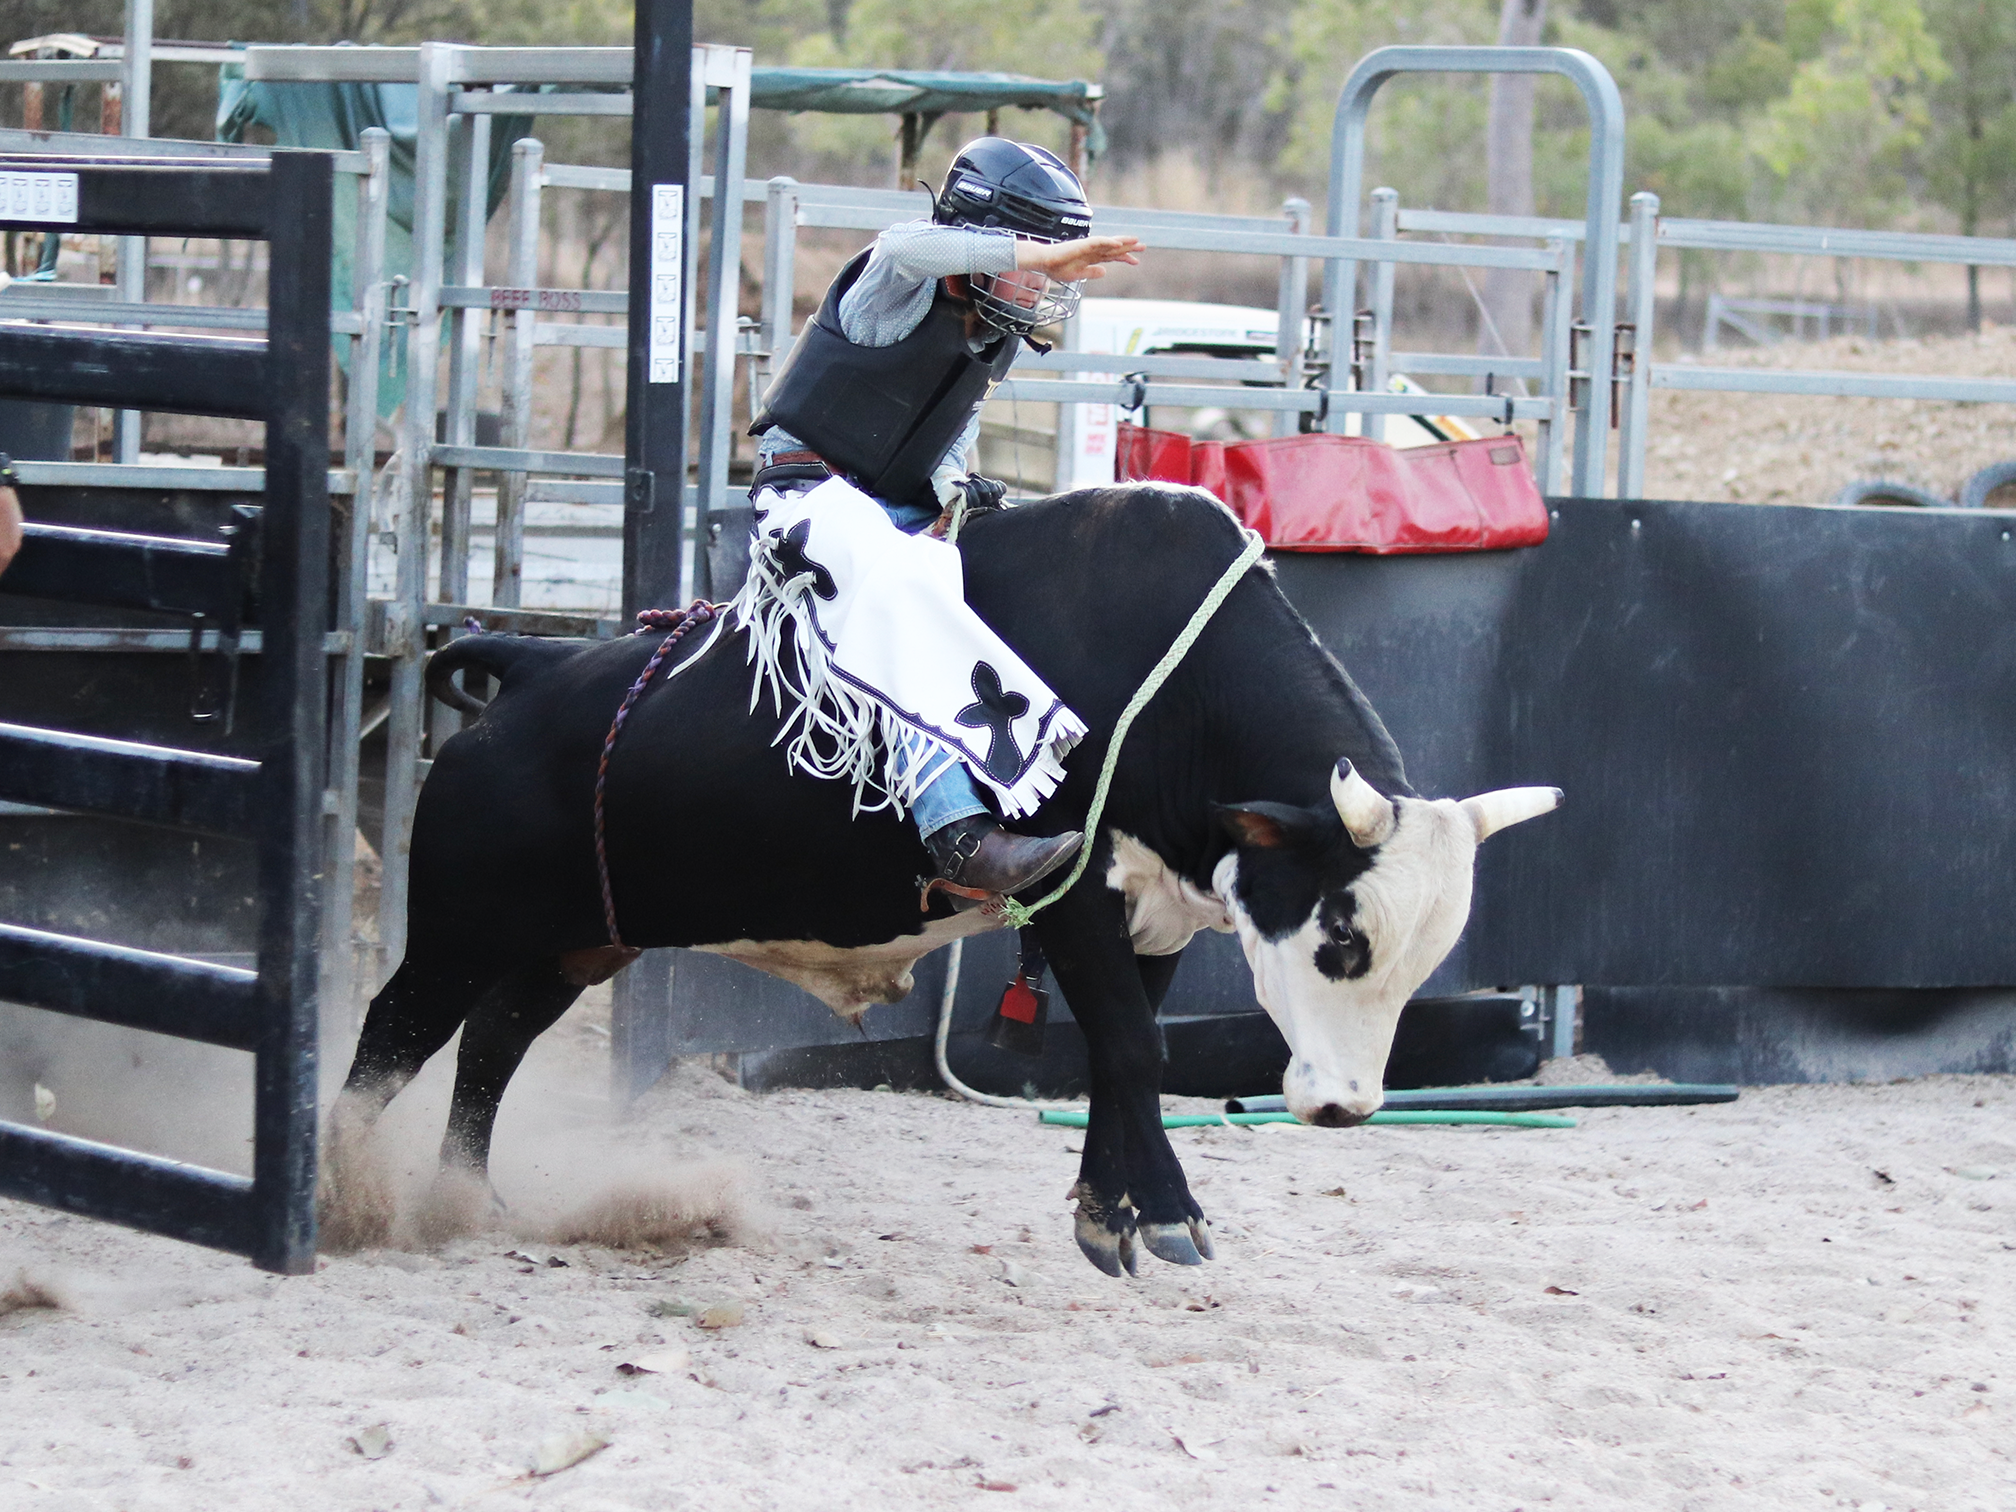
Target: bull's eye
(1345, 952)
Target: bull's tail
(502, 656)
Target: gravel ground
(1778, 449)
(1802, 1299)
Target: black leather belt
(790, 467)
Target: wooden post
(31, 107)
(909, 137)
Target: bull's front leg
(1130, 1185)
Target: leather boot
(978, 852)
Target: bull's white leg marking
(1164, 908)
(850, 981)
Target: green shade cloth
(868, 91)
(332, 116)
(335, 116)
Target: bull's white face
(1343, 912)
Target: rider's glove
(982, 493)
(961, 495)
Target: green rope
(1017, 915)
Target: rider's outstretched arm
(889, 299)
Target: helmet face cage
(1023, 301)
(1027, 191)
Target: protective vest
(885, 416)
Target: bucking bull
(1257, 792)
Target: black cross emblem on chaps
(793, 563)
(996, 712)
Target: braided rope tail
(1017, 915)
(679, 621)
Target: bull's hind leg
(416, 1013)
(501, 1029)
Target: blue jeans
(948, 797)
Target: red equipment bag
(1141, 453)
(1343, 493)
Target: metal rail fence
(277, 801)
(1634, 371)
(1592, 371)
(363, 328)
(460, 90)
(1650, 234)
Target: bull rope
(678, 621)
(1016, 915)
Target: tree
(1840, 141)
(1971, 155)
(1193, 76)
(1508, 176)
(1047, 39)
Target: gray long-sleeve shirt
(893, 294)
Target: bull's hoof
(354, 1202)
(1200, 1235)
(1171, 1242)
(460, 1202)
(1106, 1234)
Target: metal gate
(274, 571)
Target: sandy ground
(1803, 1299)
(1778, 449)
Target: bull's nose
(1336, 1116)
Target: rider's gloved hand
(951, 486)
(982, 493)
(962, 494)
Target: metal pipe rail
(277, 800)
(30, 303)
(1651, 234)
(62, 71)
(1530, 227)
(1275, 386)
(1829, 241)
(245, 480)
(461, 89)
(135, 989)
(1605, 190)
(1302, 401)
(89, 147)
(1832, 385)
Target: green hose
(1072, 1118)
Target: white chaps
(887, 671)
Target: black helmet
(1027, 190)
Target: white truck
(1172, 327)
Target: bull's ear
(1267, 826)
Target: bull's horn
(1367, 813)
(1505, 807)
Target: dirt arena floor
(1779, 449)
(1804, 1299)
